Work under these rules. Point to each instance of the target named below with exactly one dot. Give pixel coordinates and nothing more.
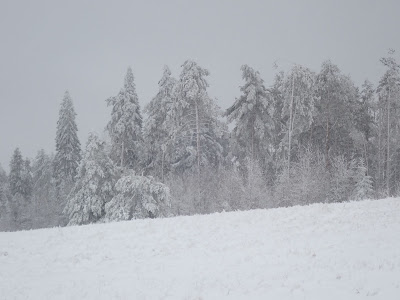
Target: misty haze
(199, 149)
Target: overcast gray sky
(47, 47)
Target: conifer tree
(250, 112)
(335, 106)
(3, 193)
(68, 147)
(125, 126)
(363, 188)
(27, 178)
(158, 128)
(16, 173)
(94, 185)
(45, 205)
(138, 197)
(198, 132)
(42, 171)
(252, 138)
(3, 175)
(20, 189)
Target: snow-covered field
(322, 251)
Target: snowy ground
(335, 251)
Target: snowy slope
(335, 251)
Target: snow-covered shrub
(218, 189)
(308, 181)
(341, 179)
(138, 197)
(363, 188)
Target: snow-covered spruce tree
(42, 176)
(363, 188)
(3, 198)
(68, 147)
(46, 208)
(27, 179)
(336, 97)
(138, 197)
(94, 185)
(250, 113)
(3, 176)
(158, 127)
(125, 126)
(4, 214)
(16, 173)
(198, 131)
(19, 181)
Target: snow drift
(321, 251)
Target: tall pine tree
(251, 115)
(3, 193)
(16, 173)
(158, 128)
(198, 132)
(68, 147)
(125, 126)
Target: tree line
(308, 137)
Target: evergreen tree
(198, 132)
(252, 134)
(3, 175)
(335, 106)
(251, 115)
(125, 126)
(138, 197)
(20, 189)
(364, 114)
(159, 126)
(27, 179)
(68, 147)
(3, 193)
(47, 209)
(363, 188)
(42, 172)
(16, 173)
(94, 186)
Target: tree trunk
(327, 144)
(388, 148)
(122, 154)
(198, 139)
(252, 142)
(380, 152)
(290, 126)
(198, 154)
(162, 167)
(366, 156)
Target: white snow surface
(322, 251)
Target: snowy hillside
(323, 251)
